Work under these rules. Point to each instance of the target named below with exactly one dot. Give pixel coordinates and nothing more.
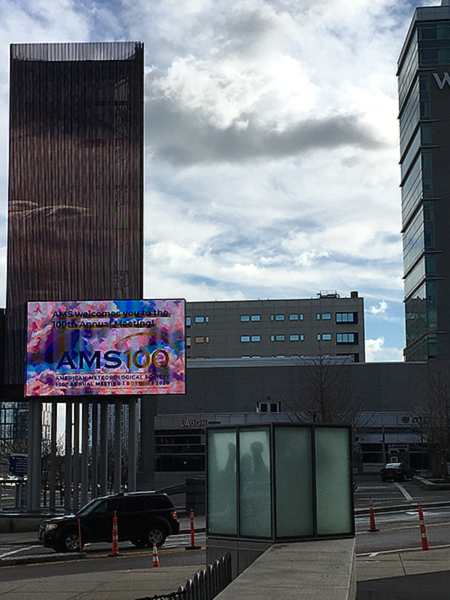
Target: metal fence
(205, 585)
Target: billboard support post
(104, 448)
(117, 447)
(84, 453)
(76, 456)
(94, 458)
(34, 457)
(133, 446)
(145, 476)
(68, 458)
(53, 450)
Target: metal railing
(205, 585)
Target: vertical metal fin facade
(75, 179)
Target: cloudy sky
(271, 144)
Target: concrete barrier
(20, 523)
(317, 570)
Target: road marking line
(19, 550)
(404, 492)
(369, 554)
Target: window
(326, 316)
(256, 338)
(188, 321)
(245, 318)
(280, 338)
(266, 407)
(347, 338)
(256, 317)
(245, 338)
(318, 316)
(294, 337)
(180, 449)
(278, 317)
(200, 339)
(326, 337)
(347, 317)
(188, 341)
(293, 317)
(201, 319)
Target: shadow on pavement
(428, 586)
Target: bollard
(192, 546)
(115, 537)
(372, 517)
(423, 531)
(79, 535)
(155, 562)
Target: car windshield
(88, 508)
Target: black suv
(144, 518)
(397, 472)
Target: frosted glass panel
(294, 488)
(222, 497)
(255, 500)
(333, 476)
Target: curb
(40, 558)
(409, 505)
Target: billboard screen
(105, 347)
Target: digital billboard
(105, 347)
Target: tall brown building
(75, 179)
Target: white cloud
(381, 308)
(376, 351)
(271, 143)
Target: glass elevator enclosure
(279, 482)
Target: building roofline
(424, 13)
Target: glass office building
(424, 100)
(75, 179)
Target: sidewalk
(112, 585)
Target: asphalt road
(390, 494)
(400, 530)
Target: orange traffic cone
(155, 562)
(115, 536)
(423, 531)
(372, 517)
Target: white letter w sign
(443, 81)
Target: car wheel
(155, 535)
(70, 542)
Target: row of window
(341, 338)
(354, 356)
(347, 317)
